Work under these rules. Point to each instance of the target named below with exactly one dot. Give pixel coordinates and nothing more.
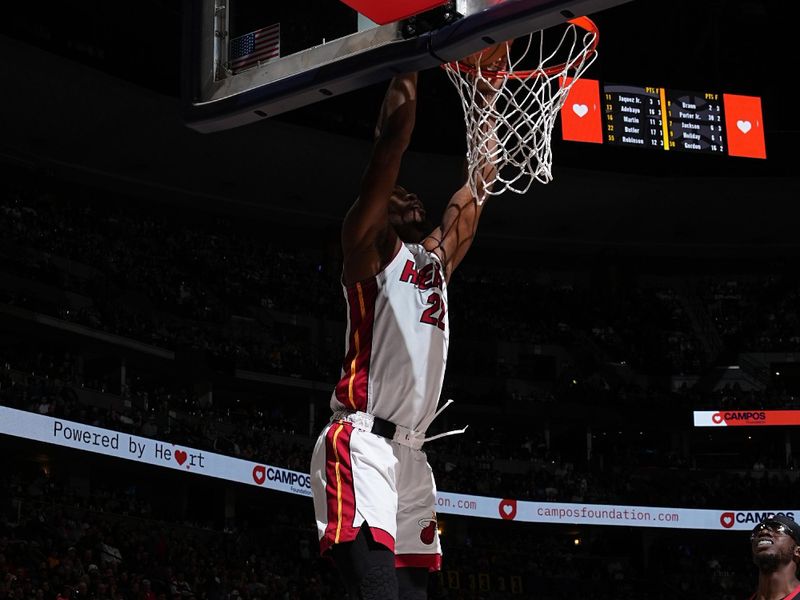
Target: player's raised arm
(367, 239)
(454, 236)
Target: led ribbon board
(149, 451)
(745, 418)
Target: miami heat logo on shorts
(428, 527)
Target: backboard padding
(383, 12)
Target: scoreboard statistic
(664, 119)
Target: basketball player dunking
(374, 492)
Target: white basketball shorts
(358, 477)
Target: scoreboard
(664, 119)
(633, 116)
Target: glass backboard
(246, 61)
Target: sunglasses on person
(774, 527)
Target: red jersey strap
(793, 595)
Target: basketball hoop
(510, 112)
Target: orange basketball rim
(584, 23)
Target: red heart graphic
(717, 418)
(726, 519)
(181, 456)
(507, 509)
(259, 474)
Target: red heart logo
(726, 519)
(259, 474)
(507, 509)
(181, 456)
(717, 418)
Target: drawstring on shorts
(396, 433)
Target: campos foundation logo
(507, 509)
(729, 519)
(297, 482)
(260, 474)
(748, 417)
(737, 418)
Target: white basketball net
(509, 130)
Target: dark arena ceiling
(94, 87)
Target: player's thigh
(417, 532)
(353, 482)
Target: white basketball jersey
(397, 335)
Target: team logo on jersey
(429, 276)
(428, 527)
